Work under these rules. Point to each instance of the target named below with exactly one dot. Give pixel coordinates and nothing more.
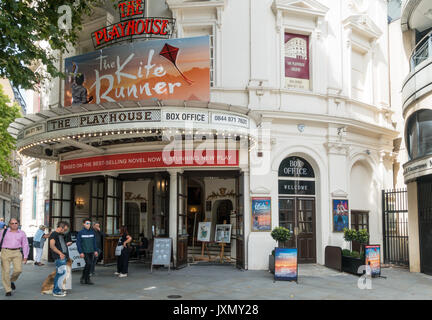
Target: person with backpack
(12, 240)
(87, 248)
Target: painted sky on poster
(137, 71)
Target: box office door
(112, 218)
(182, 236)
(305, 231)
(298, 215)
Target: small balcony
(419, 81)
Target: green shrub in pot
(281, 235)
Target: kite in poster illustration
(170, 53)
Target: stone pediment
(305, 7)
(339, 194)
(260, 190)
(364, 26)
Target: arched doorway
(223, 212)
(297, 206)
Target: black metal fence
(395, 226)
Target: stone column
(413, 228)
(173, 210)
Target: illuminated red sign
(158, 159)
(133, 25)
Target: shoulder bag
(1, 243)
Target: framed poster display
(261, 214)
(223, 233)
(297, 61)
(373, 259)
(204, 229)
(340, 215)
(286, 264)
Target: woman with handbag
(122, 253)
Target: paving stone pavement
(200, 282)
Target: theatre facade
(219, 124)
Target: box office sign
(174, 69)
(142, 160)
(297, 61)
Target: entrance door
(239, 223)
(60, 205)
(298, 215)
(359, 221)
(425, 225)
(182, 223)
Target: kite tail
(189, 82)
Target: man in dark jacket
(87, 248)
(99, 244)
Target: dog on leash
(48, 284)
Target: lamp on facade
(79, 203)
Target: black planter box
(351, 265)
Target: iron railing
(395, 226)
(422, 51)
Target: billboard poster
(373, 259)
(173, 69)
(340, 215)
(286, 266)
(261, 214)
(297, 61)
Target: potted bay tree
(352, 260)
(281, 235)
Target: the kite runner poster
(175, 69)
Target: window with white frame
(359, 75)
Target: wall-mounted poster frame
(340, 216)
(261, 214)
(373, 259)
(286, 264)
(297, 61)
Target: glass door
(60, 205)
(182, 236)
(239, 223)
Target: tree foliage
(25, 25)
(8, 113)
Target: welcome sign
(175, 69)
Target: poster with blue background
(340, 215)
(261, 214)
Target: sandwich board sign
(162, 248)
(77, 261)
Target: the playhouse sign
(133, 25)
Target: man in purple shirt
(14, 240)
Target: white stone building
(319, 130)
